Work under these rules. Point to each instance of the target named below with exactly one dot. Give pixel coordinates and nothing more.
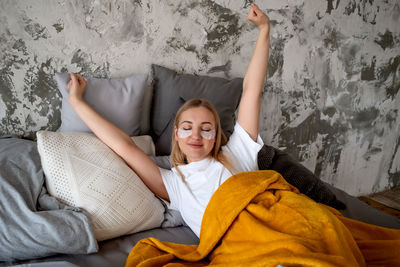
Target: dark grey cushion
(119, 100)
(171, 90)
(270, 158)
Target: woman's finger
(255, 9)
(254, 12)
(73, 77)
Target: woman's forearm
(249, 108)
(257, 69)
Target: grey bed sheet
(32, 223)
(361, 211)
(114, 252)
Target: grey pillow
(118, 100)
(171, 90)
(162, 161)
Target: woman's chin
(194, 158)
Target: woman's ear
(175, 133)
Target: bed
(43, 224)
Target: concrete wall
(332, 94)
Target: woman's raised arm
(249, 108)
(115, 138)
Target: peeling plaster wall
(332, 94)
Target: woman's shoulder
(241, 137)
(166, 172)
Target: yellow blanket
(258, 219)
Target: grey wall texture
(331, 97)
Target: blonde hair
(179, 158)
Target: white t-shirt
(204, 177)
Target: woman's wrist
(74, 100)
(264, 30)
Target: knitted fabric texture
(270, 158)
(82, 171)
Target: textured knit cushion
(270, 158)
(118, 100)
(171, 90)
(82, 171)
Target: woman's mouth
(195, 145)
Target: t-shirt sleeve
(243, 150)
(170, 183)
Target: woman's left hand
(258, 17)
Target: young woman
(201, 156)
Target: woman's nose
(196, 133)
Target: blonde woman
(201, 156)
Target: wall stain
(331, 152)
(226, 27)
(183, 9)
(372, 150)
(366, 11)
(247, 3)
(276, 58)
(329, 111)
(368, 72)
(396, 12)
(123, 23)
(332, 37)
(176, 43)
(363, 8)
(344, 102)
(394, 178)
(40, 90)
(307, 132)
(350, 8)
(348, 56)
(8, 122)
(226, 68)
(58, 26)
(88, 68)
(20, 46)
(364, 119)
(297, 18)
(390, 117)
(35, 30)
(390, 74)
(385, 40)
(330, 6)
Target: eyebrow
(204, 122)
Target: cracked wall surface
(331, 97)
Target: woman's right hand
(76, 88)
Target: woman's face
(196, 133)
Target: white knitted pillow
(82, 171)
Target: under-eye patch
(209, 134)
(182, 133)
